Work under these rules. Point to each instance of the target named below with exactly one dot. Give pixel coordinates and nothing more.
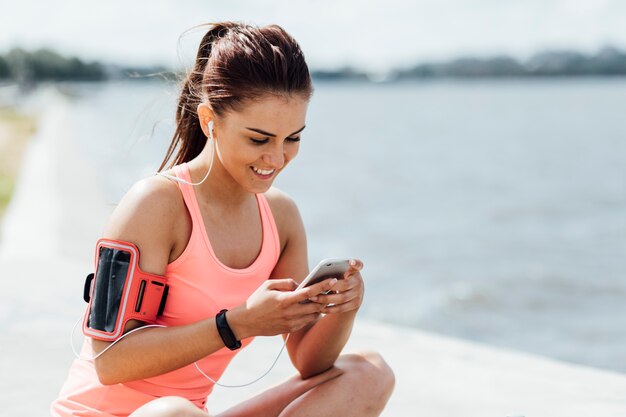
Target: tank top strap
(270, 231)
(182, 172)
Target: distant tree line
(44, 64)
(25, 67)
(608, 61)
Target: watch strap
(226, 333)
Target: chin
(260, 189)
(260, 186)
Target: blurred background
(470, 153)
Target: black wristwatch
(229, 339)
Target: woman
(226, 240)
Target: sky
(374, 35)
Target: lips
(263, 174)
(263, 171)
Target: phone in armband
(119, 291)
(326, 268)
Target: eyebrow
(271, 134)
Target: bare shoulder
(146, 216)
(286, 215)
(284, 208)
(149, 202)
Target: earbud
(210, 127)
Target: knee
(170, 406)
(371, 371)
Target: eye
(259, 141)
(264, 141)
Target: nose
(275, 158)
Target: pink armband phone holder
(119, 291)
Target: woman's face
(257, 143)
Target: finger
(285, 284)
(300, 309)
(312, 290)
(341, 308)
(356, 264)
(341, 298)
(346, 284)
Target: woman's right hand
(276, 308)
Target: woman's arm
(146, 216)
(272, 309)
(155, 351)
(321, 344)
(316, 347)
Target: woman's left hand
(347, 293)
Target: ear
(205, 115)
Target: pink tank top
(200, 286)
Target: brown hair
(235, 63)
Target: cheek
(237, 156)
(291, 152)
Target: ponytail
(189, 138)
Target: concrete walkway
(46, 249)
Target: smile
(263, 173)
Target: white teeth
(263, 171)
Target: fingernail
(352, 262)
(333, 281)
(314, 298)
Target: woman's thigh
(171, 406)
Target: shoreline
(57, 214)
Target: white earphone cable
(251, 382)
(108, 347)
(210, 126)
(78, 356)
